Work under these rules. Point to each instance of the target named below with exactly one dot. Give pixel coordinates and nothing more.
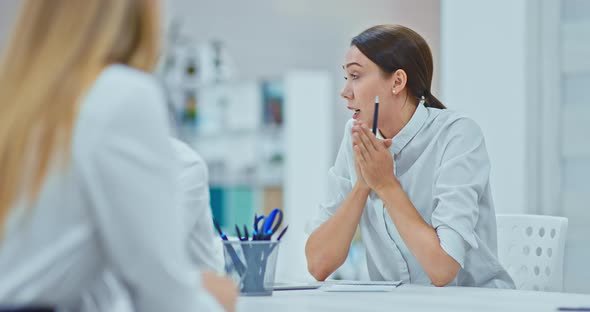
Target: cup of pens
(251, 260)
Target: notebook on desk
(360, 286)
(296, 286)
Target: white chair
(531, 248)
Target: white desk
(413, 298)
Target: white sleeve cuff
(452, 243)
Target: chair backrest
(531, 248)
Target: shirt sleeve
(339, 183)
(459, 183)
(203, 243)
(130, 182)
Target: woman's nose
(346, 93)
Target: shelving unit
(244, 150)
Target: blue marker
(218, 228)
(376, 115)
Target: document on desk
(360, 286)
(296, 286)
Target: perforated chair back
(531, 249)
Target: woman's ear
(398, 81)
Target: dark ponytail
(431, 101)
(394, 47)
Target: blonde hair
(56, 51)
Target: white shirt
(113, 208)
(204, 244)
(441, 161)
(109, 294)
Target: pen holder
(252, 264)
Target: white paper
(361, 286)
(297, 286)
(368, 283)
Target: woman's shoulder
(123, 81)
(124, 75)
(122, 102)
(122, 93)
(454, 123)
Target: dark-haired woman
(420, 188)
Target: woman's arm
(327, 247)
(420, 237)
(222, 288)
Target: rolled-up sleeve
(339, 183)
(459, 182)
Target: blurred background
(254, 88)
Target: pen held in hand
(375, 115)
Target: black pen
(282, 233)
(376, 115)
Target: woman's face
(364, 81)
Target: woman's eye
(353, 76)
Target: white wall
(483, 57)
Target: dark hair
(394, 47)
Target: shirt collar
(409, 131)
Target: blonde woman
(86, 178)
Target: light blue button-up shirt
(442, 163)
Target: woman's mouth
(356, 114)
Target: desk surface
(413, 298)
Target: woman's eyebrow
(352, 63)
